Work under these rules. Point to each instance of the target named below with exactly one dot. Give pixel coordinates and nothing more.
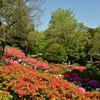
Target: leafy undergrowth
(24, 83)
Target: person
(34, 66)
(19, 61)
(78, 83)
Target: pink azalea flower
(82, 89)
(34, 60)
(14, 52)
(45, 66)
(80, 68)
(38, 63)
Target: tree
(66, 31)
(15, 18)
(33, 39)
(91, 31)
(41, 43)
(80, 38)
(76, 52)
(56, 53)
(62, 26)
(62, 23)
(95, 49)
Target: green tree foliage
(77, 40)
(32, 41)
(91, 31)
(62, 24)
(41, 43)
(83, 35)
(56, 53)
(76, 51)
(57, 36)
(16, 16)
(36, 42)
(95, 49)
(66, 31)
(81, 39)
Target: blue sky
(86, 11)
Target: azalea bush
(54, 71)
(13, 52)
(61, 67)
(25, 83)
(20, 81)
(13, 55)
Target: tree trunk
(69, 63)
(2, 51)
(26, 47)
(91, 58)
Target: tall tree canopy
(95, 49)
(62, 23)
(65, 31)
(16, 17)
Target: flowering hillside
(25, 83)
(19, 80)
(15, 56)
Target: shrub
(75, 71)
(55, 71)
(89, 65)
(76, 64)
(45, 61)
(63, 70)
(40, 58)
(24, 83)
(5, 95)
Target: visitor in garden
(34, 66)
(19, 61)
